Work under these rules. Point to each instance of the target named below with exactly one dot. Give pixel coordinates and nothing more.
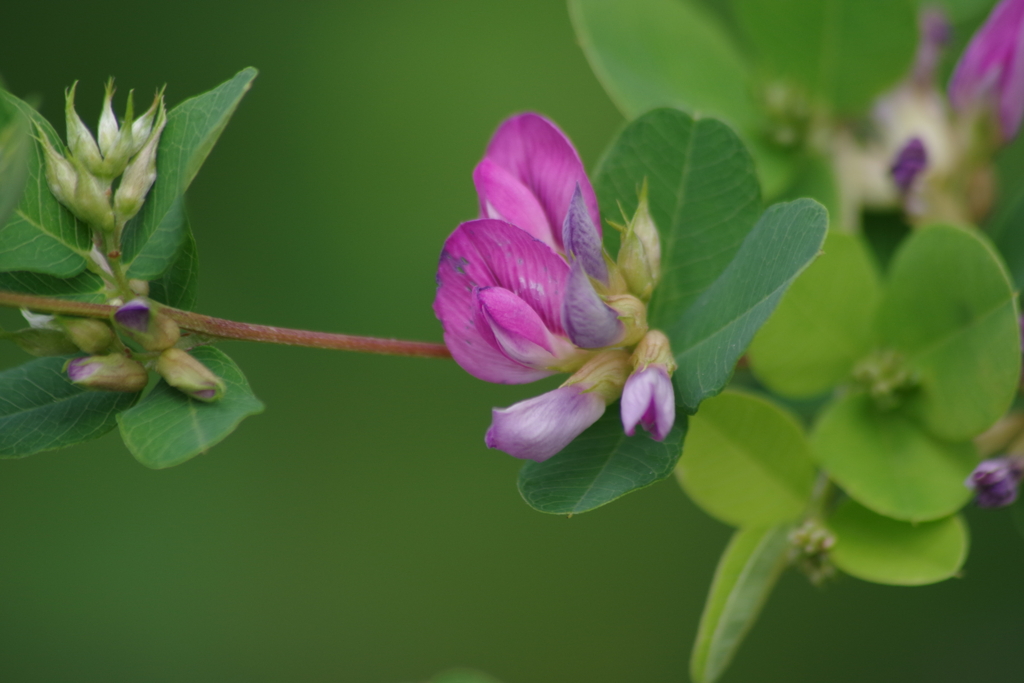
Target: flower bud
(42, 342)
(632, 314)
(115, 372)
(140, 174)
(143, 126)
(810, 550)
(91, 201)
(142, 320)
(604, 375)
(60, 174)
(139, 287)
(188, 375)
(640, 253)
(911, 160)
(89, 335)
(654, 349)
(995, 481)
(80, 141)
(108, 129)
(116, 157)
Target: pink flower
(648, 399)
(991, 70)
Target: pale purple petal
(80, 368)
(517, 329)
(134, 315)
(537, 428)
(590, 322)
(935, 34)
(535, 151)
(648, 399)
(995, 481)
(911, 160)
(491, 253)
(504, 197)
(582, 240)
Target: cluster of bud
(886, 377)
(82, 179)
(810, 544)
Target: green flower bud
(604, 374)
(188, 375)
(633, 314)
(640, 253)
(60, 174)
(88, 334)
(42, 341)
(143, 126)
(91, 201)
(140, 174)
(116, 158)
(108, 129)
(115, 372)
(80, 141)
(140, 287)
(654, 349)
(143, 321)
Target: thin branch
(229, 329)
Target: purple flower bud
(991, 70)
(134, 315)
(648, 399)
(995, 481)
(114, 372)
(582, 240)
(142, 320)
(911, 160)
(590, 322)
(189, 376)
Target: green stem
(229, 329)
(112, 254)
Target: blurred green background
(359, 530)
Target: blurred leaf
(845, 52)
(814, 177)
(152, 239)
(1006, 222)
(746, 461)
(15, 145)
(703, 197)
(463, 676)
(743, 580)
(85, 286)
(960, 10)
(179, 286)
(715, 331)
(887, 463)
(883, 550)
(950, 308)
(602, 464)
(40, 341)
(41, 236)
(40, 410)
(657, 53)
(823, 325)
(167, 428)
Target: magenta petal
(537, 428)
(535, 151)
(504, 197)
(491, 253)
(648, 399)
(517, 329)
(582, 240)
(590, 322)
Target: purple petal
(995, 481)
(993, 66)
(205, 394)
(582, 240)
(535, 151)
(539, 427)
(491, 253)
(590, 322)
(134, 315)
(648, 399)
(517, 329)
(911, 160)
(936, 33)
(504, 197)
(80, 368)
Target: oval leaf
(179, 285)
(743, 580)
(746, 461)
(15, 145)
(715, 331)
(823, 325)
(602, 464)
(883, 550)
(85, 286)
(949, 307)
(40, 410)
(889, 464)
(167, 428)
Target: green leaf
(823, 325)
(463, 676)
(658, 53)
(85, 286)
(715, 331)
(15, 145)
(153, 238)
(602, 464)
(40, 410)
(888, 463)
(883, 550)
(743, 580)
(746, 461)
(844, 52)
(167, 428)
(178, 286)
(41, 236)
(703, 197)
(950, 308)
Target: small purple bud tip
(205, 394)
(134, 315)
(80, 368)
(995, 481)
(910, 161)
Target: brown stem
(229, 329)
